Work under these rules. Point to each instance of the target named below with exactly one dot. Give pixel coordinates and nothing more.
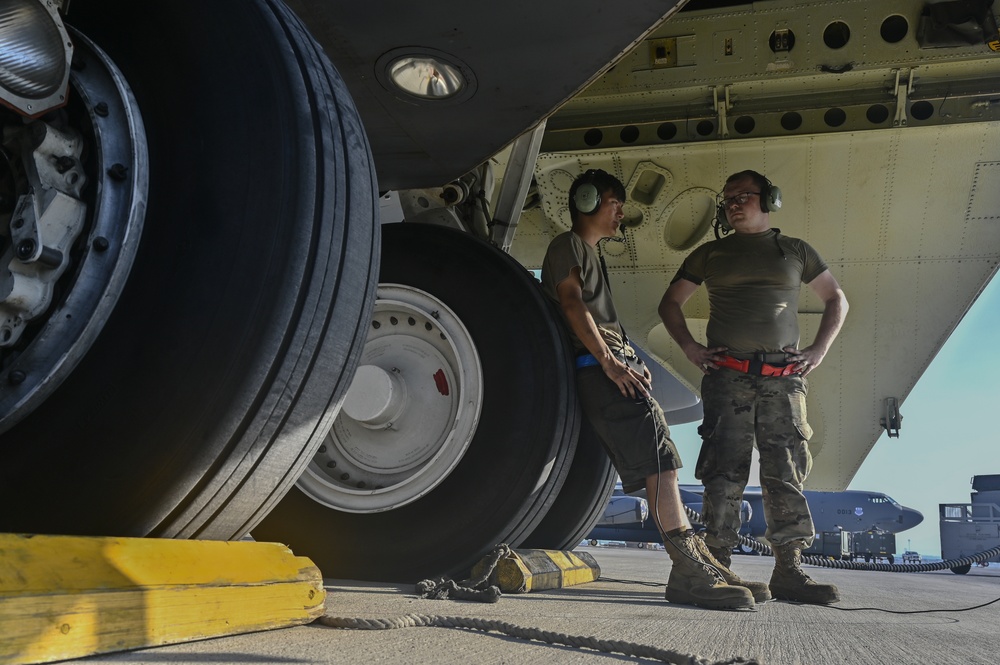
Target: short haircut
(759, 180)
(602, 180)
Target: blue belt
(586, 360)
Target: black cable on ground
(829, 607)
(812, 560)
(882, 609)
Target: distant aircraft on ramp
(848, 510)
(620, 522)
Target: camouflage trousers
(742, 410)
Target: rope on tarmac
(489, 625)
(814, 560)
(475, 588)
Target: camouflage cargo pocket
(708, 455)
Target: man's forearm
(830, 324)
(584, 327)
(675, 323)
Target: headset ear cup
(773, 199)
(587, 199)
(720, 218)
(770, 198)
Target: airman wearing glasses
(754, 388)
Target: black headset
(770, 201)
(586, 198)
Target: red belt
(755, 367)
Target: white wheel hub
(376, 397)
(410, 413)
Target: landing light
(35, 58)
(427, 77)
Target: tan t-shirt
(753, 283)
(565, 252)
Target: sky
(948, 434)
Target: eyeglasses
(739, 199)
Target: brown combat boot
(721, 558)
(691, 582)
(788, 582)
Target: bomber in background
(846, 510)
(194, 281)
(629, 517)
(851, 511)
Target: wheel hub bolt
(25, 249)
(118, 171)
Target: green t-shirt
(753, 283)
(565, 252)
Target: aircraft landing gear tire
(743, 548)
(233, 340)
(448, 304)
(582, 499)
(962, 570)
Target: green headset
(586, 198)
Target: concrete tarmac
(619, 607)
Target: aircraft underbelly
(906, 218)
(521, 60)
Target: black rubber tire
(962, 570)
(527, 429)
(582, 499)
(221, 367)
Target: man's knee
(667, 475)
(723, 486)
